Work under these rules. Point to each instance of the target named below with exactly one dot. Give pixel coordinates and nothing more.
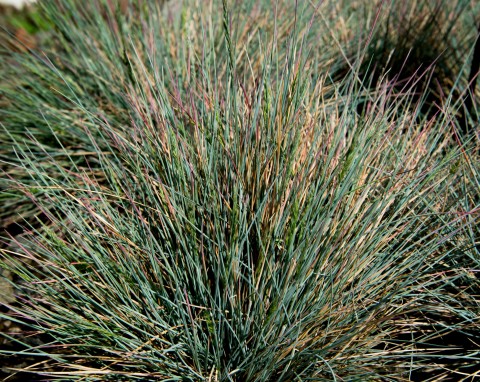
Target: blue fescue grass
(215, 208)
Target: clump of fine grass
(419, 45)
(215, 209)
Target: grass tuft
(195, 198)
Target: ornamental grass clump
(419, 45)
(201, 202)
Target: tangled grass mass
(248, 191)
